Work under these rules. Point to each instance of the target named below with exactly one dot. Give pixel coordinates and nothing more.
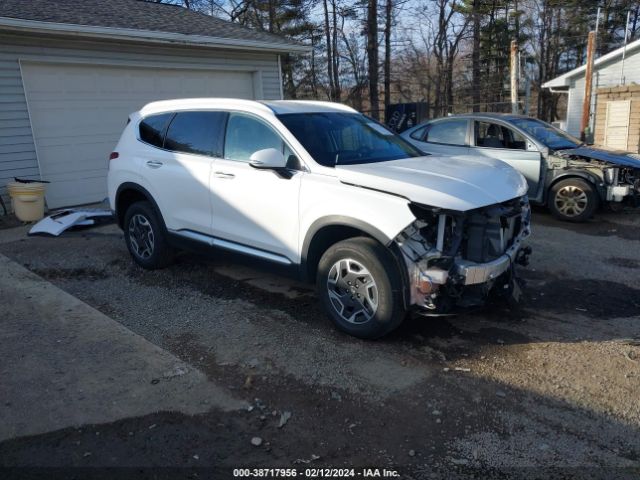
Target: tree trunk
(335, 56)
(272, 16)
(314, 79)
(387, 53)
(372, 55)
(327, 32)
(475, 58)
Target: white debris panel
(62, 220)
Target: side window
(418, 134)
(489, 135)
(153, 127)
(514, 140)
(493, 135)
(450, 132)
(246, 135)
(196, 132)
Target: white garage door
(78, 113)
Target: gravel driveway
(548, 388)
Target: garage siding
(17, 149)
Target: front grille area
(490, 231)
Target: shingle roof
(136, 14)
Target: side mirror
(269, 158)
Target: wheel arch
(327, 231)
(590, 177)
(127, 194)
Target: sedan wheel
(573, 200)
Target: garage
(78, 112)
(71, 71)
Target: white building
(608, 71)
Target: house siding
(17, 149)
(606, 75)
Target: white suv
(381, 228)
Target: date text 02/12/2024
(315, 473)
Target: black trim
(213, 238)
(282, 172)
(181, 242)
(336, 221)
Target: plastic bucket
(27, 200)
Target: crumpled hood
(454, 183)
(617, 158)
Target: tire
(573, 200)
(145, 237)
(372, 272)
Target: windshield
(337, 138)
(547, 134)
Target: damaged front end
(461, 259)
(622, 184)
(618, 174)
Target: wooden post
(588, 80)
(514, 76)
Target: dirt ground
(547, 389)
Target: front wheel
(573, 200)
(360, 288)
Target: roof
(613, 56)
(500, 116)
(137, 19)
(203, 104)
(269, 107)
(305, 106)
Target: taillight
(114, 155)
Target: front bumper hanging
(441, 279)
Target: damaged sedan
(569, 177)
(322, 190)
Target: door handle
(154, 164)
(225, 175)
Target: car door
(443, 137)
(499, 141)
(255, 208)
(179, 171)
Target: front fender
(590, 177)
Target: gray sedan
(563, 173)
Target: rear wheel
(573, 200)
(360, 288)
(145, 237)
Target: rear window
(449, 132)
(198, 133)
(418, 134)
(153, 127)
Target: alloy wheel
(571, 201)
(352, 291)
(141, 236)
